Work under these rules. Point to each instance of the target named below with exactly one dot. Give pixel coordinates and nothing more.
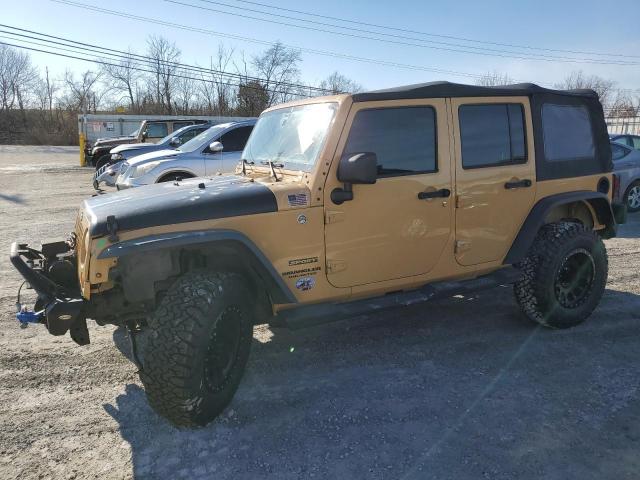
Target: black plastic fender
(537, 215)
(277, 288)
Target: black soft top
(448, 89)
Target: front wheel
(197, 348)
(632, 197)
(565, 274)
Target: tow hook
(26, 316)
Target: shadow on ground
(462, 388)
(12, 199)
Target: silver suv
(217, 150)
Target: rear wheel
(197, 347)
(564, 275)
(632, 197)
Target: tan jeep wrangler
(341, 205)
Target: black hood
(167, 203)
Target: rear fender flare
(275, 285)
(597, 203)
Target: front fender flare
(277, 288)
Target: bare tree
(338, 83)
(17, 78)
(185, 92)
(165, 57)
(623, 106)
(82, 95)
(216, 88)
(278, 69)
(123, 79)
(578, 80)
(491, 79)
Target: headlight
(116, 157)
(140, 170)
(94, 150)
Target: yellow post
(83, 161)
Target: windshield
(135, 132)
(291, 136)
(203, 139)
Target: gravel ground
(458, 389)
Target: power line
(264, 42)
(443, 46)
(405, 30)
(102, 62)
(130, 56)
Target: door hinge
(335, 266)
(461, 246)
(333, 216)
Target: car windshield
(291, 136)
(203, 139)
(135, 132)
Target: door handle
(442, 193)
(518, 184)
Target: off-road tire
(178, 373)
(541, 293)
(634, 185)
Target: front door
(233, 143)
(495, 175)
(399, 226)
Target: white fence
(630, 125)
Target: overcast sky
(587, 26)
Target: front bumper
(60, 308)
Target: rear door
(495, 175)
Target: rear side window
(236, 139)
(492, 135)
(403, 139)
(567, 132)
(155, 130)
(636, 143)
(179, 125)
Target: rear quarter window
(567, 132)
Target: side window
(235, 140)
(403, 139)
(636, 142)
(492, 135)
(157, 130)
(567, 132)
(618, 152)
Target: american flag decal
(297, 199)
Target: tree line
(38, 108)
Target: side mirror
(144, 135)
(175, 142)
(358, 168)
(216, 147)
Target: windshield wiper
(273, 167)
(245, 162)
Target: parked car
(150, 131)
(346, 205)
(108, 172)
(626, 170)
(217, 150)
(632, 141)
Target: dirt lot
(456, 389)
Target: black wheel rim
(224, 345)
(574, 280)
